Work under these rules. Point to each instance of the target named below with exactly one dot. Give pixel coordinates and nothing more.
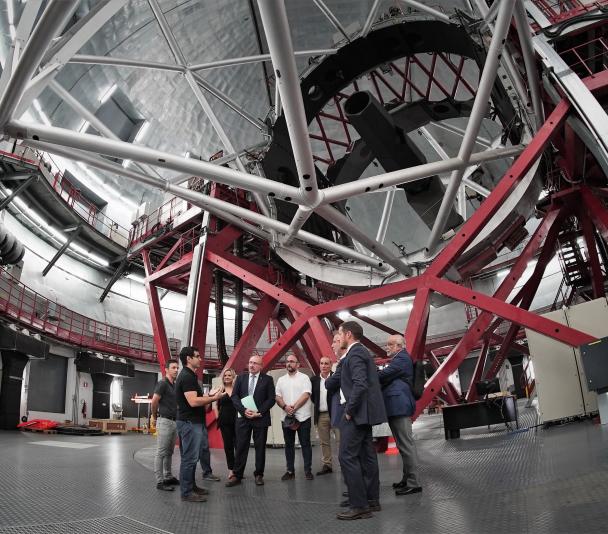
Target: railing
(23, 304)
(588, 58)
(560, 10)
(70, 194)
(158, 219)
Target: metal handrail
(560, 10)
(70, 194)
(30, 308)
(151, 223)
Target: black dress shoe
(400, 484)
(355, 513)
(259, 480)
(233, 482)
(164, 487)
(374, 506)
(408, 491)
(325, 470)
(171, 481)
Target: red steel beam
(539, 324)
(597, 277)
(479, 367)
(390, 331)
(415, 333)
(156, 316)
(178, 267)
(488, 208)
(249, 340)
(228, 263)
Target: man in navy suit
(397, 379)
(261, 387)
(363, 408)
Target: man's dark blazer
(395, 379)
(316, 393)
(357, 376)
(263, 395)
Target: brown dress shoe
(233, 482)
(325, 470)
(355, 513)
(259, 480)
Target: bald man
(396, 380)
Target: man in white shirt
(293, 392)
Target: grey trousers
(166, 434)
(401, 427)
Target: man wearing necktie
(363, 408)
(260, 386)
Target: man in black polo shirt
(190, 421)
(163, 403)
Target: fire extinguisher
(84, 409)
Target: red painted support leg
(156, 316)
(415, 334)
(479, 367)
(244, 348)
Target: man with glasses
(257, 389)
(396, 380)
(191, 421)
(293, 397)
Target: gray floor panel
(491, 480)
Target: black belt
(167, 417)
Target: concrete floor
(553, 480)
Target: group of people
(346, 402)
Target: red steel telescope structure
(423, 151)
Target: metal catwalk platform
(553, 480)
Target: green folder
(249, 403)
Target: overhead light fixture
(142, 131)
(126, 163)
(106, 96)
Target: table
(491, 411)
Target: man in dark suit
(396, 379)
(322, 400)
(261, 387)
(363, 408)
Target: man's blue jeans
(191, 438)
(204, 454)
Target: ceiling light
(106, 96)
(142, 131)
(126, 163)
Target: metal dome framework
(576, 113)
